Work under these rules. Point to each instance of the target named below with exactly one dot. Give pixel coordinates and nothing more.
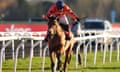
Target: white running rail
(39, 36)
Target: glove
(51, 17)
(77, 19)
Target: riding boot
(67, 35)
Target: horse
(58, 45)
(76, 30)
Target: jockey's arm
(72, 14)
(51, 11)
(74, 17)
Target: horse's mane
(55, 22)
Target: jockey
(60, 9)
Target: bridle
(52, 27)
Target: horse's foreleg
(52, 58)
(67, 58)
(59, 64)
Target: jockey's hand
(77, 20)
(52, 17)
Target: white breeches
(63, 20)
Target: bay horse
(58, 45)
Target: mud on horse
(58, 45)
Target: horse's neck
(59, 29)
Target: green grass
(22, 65)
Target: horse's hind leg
(79, 59)
(52, 58)
(69, 59)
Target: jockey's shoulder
(66, 6)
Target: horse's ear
(51, 17)
(57, 19)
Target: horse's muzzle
(50, 35)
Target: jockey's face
(60, 9)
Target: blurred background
(23, 10)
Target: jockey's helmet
(60, 4)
